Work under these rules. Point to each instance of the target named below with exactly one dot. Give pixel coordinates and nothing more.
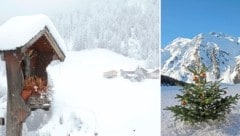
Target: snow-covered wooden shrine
(28, 44)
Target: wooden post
(17, 111)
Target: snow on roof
(17, 31)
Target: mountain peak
(218, 51)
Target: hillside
(168, 81)
(217, 51)
(128, 27)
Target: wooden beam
(17, 111)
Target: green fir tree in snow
(203, 101)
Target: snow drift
(84, 102)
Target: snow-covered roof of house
(18, 31)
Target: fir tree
(202, 101)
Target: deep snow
(169, 127)
(84, 102)
(19, 30)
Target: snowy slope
(169, 127)
(85, 103)
(217, 51)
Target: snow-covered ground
(169, 127)
(84, 102)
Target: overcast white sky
(10, 8)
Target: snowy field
(169, 127)
(87, 104)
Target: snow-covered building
(28, 45)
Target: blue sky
(187, 18)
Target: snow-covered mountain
(218, 51)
